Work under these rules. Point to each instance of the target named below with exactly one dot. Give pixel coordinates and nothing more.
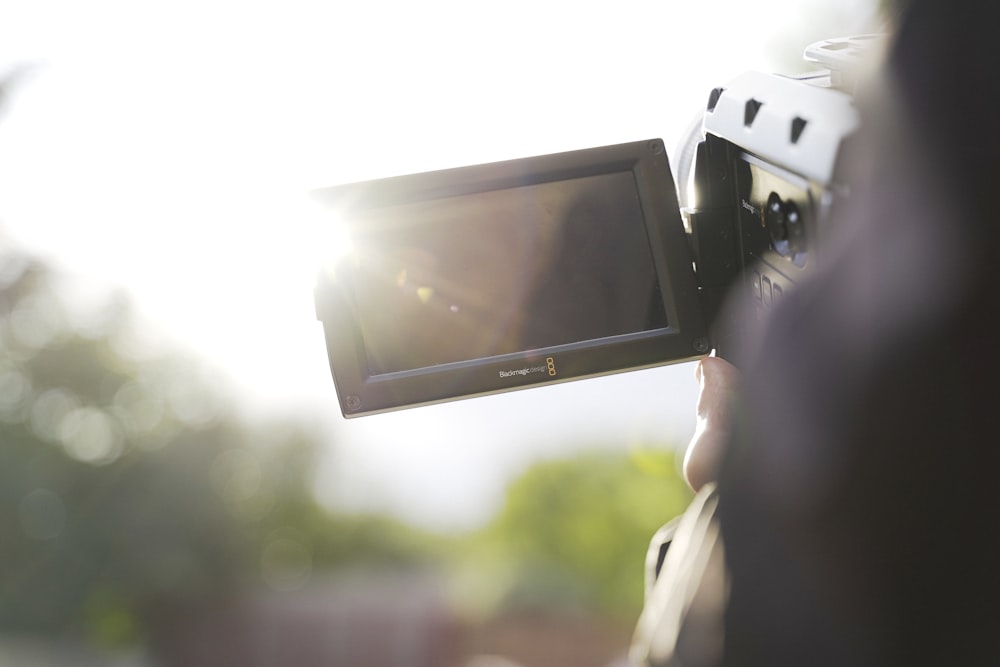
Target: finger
(718, 382)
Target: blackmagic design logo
(751, 208)
(549, 367)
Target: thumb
(718, 383)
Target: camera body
(496, 277)
(768, 177)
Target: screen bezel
(361, 392)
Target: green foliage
(575, 532)
(131, 493)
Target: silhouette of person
(847, 511)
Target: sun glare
(172, 150)
(331, 240)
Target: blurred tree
(103, 509)
(134, 497)
(132, 493)
(574, 532)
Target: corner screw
(700, 345)
(353, 403)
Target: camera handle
(847, 59)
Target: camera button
(766, 291)
(755, 285)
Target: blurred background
(177, 485)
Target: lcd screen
(502, 271)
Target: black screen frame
(361, 392)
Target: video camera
(495, 277)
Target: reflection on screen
(503, 271)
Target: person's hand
(718, 382)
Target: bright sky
(168, 147)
